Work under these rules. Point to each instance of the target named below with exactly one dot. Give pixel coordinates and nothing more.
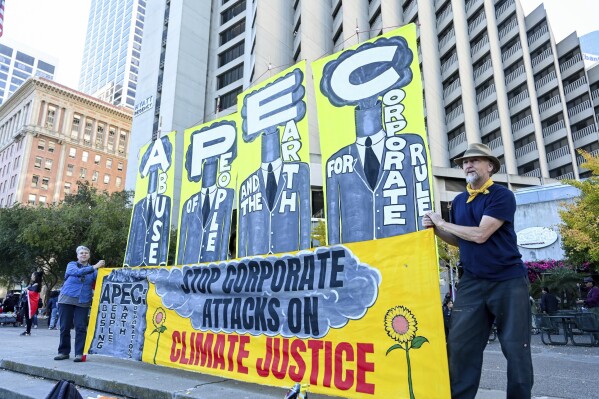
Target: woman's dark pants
(70, 315)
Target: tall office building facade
(19, 63)
(110, 63)
(490, 75)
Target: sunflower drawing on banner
(401, 325)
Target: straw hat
(479, 150)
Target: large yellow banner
(149, 231)
(274, 196)
(207, 191)
(376, 168)
(356, 320)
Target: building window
(84, 156)
(50, 117)
(45, 182)
(38, 162)
(82, 173)
(106, 179)
(229, 99)
(87, 134)
(48, 164)
(118, 181)
(95, 176)
(232, 32)
(230, 76)
(70, 169)
(111, 135)
(108, 163)
(122, 142)
(100, 136)
(34, 180)
(51, 146)
(42, 200)
(75, 127)
(232, 53)
(119, 166)
(67, 188)
(97, 159)
(41, 144)
(232, 12)
(31, 199)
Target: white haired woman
(74, 302)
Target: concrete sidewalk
(28, 370)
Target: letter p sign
(209, 143)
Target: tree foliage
(319, 234)
(580, 219)
(45, 237)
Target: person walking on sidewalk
(494, 285)
(74, 302)
(52, 310)
(30, 299)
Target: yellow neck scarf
(483, 190)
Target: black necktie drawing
(150, 210)
(371, 164)
(205, 208)
(271, 187)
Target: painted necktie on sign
(271, 187)
(150, 209)
(205, 208)
(371, 164)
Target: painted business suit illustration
(377, 186)
(274, 201)
(149, 232)
(206, 221)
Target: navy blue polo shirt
(498, 258)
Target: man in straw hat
(494, 285)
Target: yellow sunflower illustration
(159, 317)
(400, 324)
(158, 320)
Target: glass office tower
(112, 50)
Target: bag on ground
(64, 389)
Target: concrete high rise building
(18, 63)
(490, 74)
(110, 63)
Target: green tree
(319, 234)
(17, 259)
(45, 237)
(580, 227)
(109, 227)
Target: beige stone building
(52, 136)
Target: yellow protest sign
(207, 191)
(376, 167)
(356, 320)
(274, 212)
(149, 231)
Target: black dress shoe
(78, 359)
(61, 356)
